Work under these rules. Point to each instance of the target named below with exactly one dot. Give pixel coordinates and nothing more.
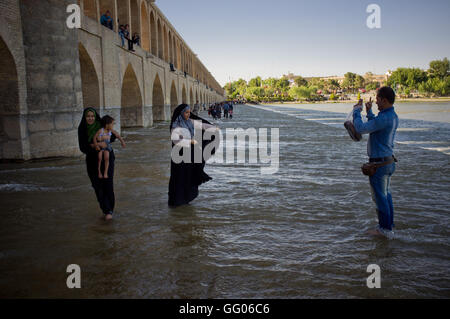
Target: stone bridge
(49, 73)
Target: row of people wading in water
(96, 135)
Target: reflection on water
(298, 233)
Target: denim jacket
(382, 129)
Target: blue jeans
(381, 195)
(122, 38)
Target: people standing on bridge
(106, 20)
(126, 33)
(122, 34)
(186, 177)
(104, 188)
(380, 149)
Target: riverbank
(364, 97)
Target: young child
(102, 142)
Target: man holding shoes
(380, 149)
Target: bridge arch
(90, 9)
(171, 53)
(145, 28)
(158, 100)
(131, 101)
(173, 97)
(154, 34)
(10, 103)
(122, 13)
(191, 100)
(160, 41)
(166, 44)
(135, 18)
(89, 79)
(183, 95)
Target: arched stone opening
(166, 45)
(171, 60)
(135, 18)
(131, 102)
(158, 100)
(145, 31)
(9, 105)
(154, 36)
(183, 95)
(122, 12)
(173, 97)
(160, 42)
(191, 95)
(177, 53)
(90, 9)
(89, 79)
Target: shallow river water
(298, 233)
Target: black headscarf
(177, 113)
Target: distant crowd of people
(215, 110)
(124, 31)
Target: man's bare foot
(108, 217)
(375, 232)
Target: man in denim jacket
(380, 148)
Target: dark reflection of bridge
(49, 72)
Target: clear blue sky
(245, 38)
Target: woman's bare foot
(105, 175)
(100, 175)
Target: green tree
(372, 86)
(334, 84)
(407, 77)
(268, 92)
(303, 92)
(255, 82)
(283, 84)
(439, 69)
(359, 82)
(349, 80)
(300, 81)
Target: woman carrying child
(104, 188)
(102, 143)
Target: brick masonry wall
(53, 78)
(14, 139)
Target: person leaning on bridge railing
(136, 39)
(122, 34)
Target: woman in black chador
(186, 177)
(104, 190)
